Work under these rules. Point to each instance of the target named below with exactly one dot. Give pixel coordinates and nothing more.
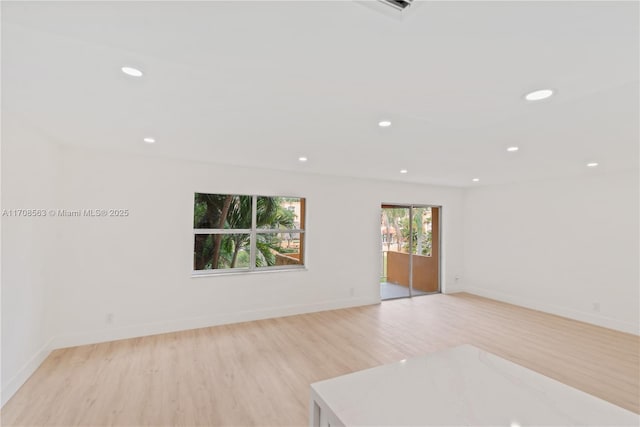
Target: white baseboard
(452, 289)
(595, 319)
(13, 385)
(134, 331)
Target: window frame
(252, 232)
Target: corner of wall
(10, 387)
(597, 320)
(30, 167)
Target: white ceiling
(262, 83)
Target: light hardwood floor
(258, 373)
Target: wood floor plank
(258, 373)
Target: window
(245, 233)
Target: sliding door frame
(439, 242)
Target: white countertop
(462, 386)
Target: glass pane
(222, 211)
(280, 213)
(422, 232)
(216, 251)
(394, 236)
(279, 249)
(394, 229)
(424, 266)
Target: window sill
(213, 273)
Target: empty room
(320, 213)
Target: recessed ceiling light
(475, 179)
(512, 149)
(384, 123)
(130, 71)
(538, 95)
(404, 171)
(302, 159)
(592, 165)
(149, 140)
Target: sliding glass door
(395, 282)
(410, 250)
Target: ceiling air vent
(394, 8)
(398, 4)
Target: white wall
(559, 246)
(29, 174)
(139, 267)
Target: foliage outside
(234, 212)
(395, 230)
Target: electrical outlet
(596, 307)
(352, 291)
(109, 318)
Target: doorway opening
(410, 250)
